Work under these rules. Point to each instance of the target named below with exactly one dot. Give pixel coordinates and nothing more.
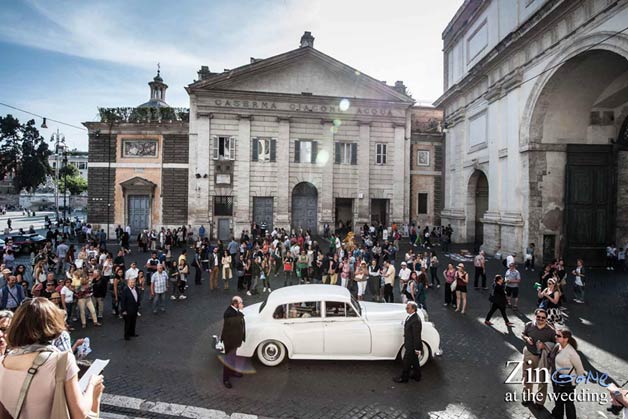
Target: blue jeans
(159, 301)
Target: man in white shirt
(389, 282)
(404, 275)
(132, 272)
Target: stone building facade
(299, 140)
(138, 165)
(426, 166)
(535, 102)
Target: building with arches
(535, 109)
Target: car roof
(308, 292)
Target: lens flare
(344, 104)
(322, 157)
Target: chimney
(307, 40)
(400, 87)
(204, 72)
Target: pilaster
(326, 194)
(281, 203)
(397, 204)
(364, 164)
(242, 176)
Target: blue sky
(63, 59)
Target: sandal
(488, 323)
(510, 324)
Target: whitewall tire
(271, 353)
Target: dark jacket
(128, 303)
(100, 287)
(499, 295)
(233, 329)
(412, 333)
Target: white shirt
(131, 273)
(68, 294)
(134, 292)
(404, 274)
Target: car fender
(254, 338)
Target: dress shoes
(227, 384)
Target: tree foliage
(76, 184)
(23, 153)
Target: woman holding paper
(36, 324)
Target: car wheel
(271, 353)
(426, 353)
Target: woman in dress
(418, 288)
(462, 279)
(227, 274)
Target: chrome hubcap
(271, 352)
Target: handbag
(453, 285)
(41, 358)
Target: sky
(64, 59)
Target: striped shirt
(160, 282)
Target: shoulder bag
(41, 358)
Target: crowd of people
(77, 278)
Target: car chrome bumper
(218, 345)
(439, 352)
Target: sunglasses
(559, 336)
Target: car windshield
(356, 304)
(261, 307)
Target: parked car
(26, 243)
(326, 322)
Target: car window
(334, 309)
(280, 312)
(351, 311)
(304, 310)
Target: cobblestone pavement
(172, 360)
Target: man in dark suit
(129, 305)
(412, 344)
(233, 334)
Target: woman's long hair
(569, 336)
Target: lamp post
(65, 181)
(59, 141)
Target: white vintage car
(327, 322)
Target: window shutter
(254, 151)
(215, 145)
(314, 151)
(354, 153)
(338, 157)
(297, 151)
(384, 153)
(273, 149)
(232, 150)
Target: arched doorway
(477, 205)
(574, 165)
(305, 206)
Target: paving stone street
(173, 362)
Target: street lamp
(65, 180)
(59, 141)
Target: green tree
(69, 175)
(23, 153)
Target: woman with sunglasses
(567, 362)
(535, 335)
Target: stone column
(281, 202)
(241, 176)
(326, 192)
(363, 204)
(397, 203)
